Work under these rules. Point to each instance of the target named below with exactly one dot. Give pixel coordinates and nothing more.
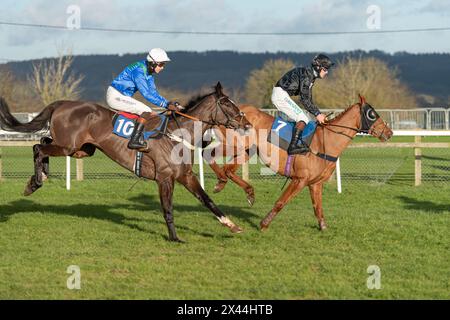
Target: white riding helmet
(157, 55)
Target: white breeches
(285, 104)
(120, 102)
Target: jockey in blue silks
(139, 76)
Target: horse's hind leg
(40, 152)
(316, 197)
(166, 195)
(191, 183)
(45, 160)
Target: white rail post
(338, 175)
(80, 169)
(200, 168)
(417, 163)
(68, 173)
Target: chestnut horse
(79, 128)
(311, 169)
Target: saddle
(123, 125)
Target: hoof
(236, 229)
(27, 191)
(263, 226)
(177, 240)
(251, 200)
(322, 226)
(219, 187)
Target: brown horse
(79, 128)
(312, 169)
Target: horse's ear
(362, 100)
(219, 89)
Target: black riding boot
(296, 135)
(137, 137)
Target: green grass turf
(118, 239)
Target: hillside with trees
(426, 76)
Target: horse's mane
(341, 114)
(195, 100)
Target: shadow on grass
(144, 202)
(111, 213)
(426, 206)
(435, 158)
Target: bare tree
(6, 83)
(17, 92)
(53, 80)
(370, 77)
(258, 89)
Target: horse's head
(372, 123)
(218, 109)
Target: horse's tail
(9, 123)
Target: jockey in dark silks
(139, 77)
(299, 82)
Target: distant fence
(403, 162)
(406, 119)
(441, 163)
(398, 119)
(407, 163)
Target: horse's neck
(195, 128)
(336, 143)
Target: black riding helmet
(321, 61)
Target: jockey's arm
(148, 89)
(306, 100)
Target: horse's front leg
(166, 187)
(230, 170)
(218, 170)
(191, 183)
(221, 176)
(316, 197)
(293, 189)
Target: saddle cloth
(123, 125)
(282, 130)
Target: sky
(23, 43)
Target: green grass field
(118, 239)
(117, 236)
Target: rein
(214, 122)
(210, 123)
(326, 125)
(365, 127)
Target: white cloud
(219, 15)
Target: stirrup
(137, 138)
(137, 146)
(297, 149)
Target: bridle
(230, 119)
(229, 124)
(368, 118)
